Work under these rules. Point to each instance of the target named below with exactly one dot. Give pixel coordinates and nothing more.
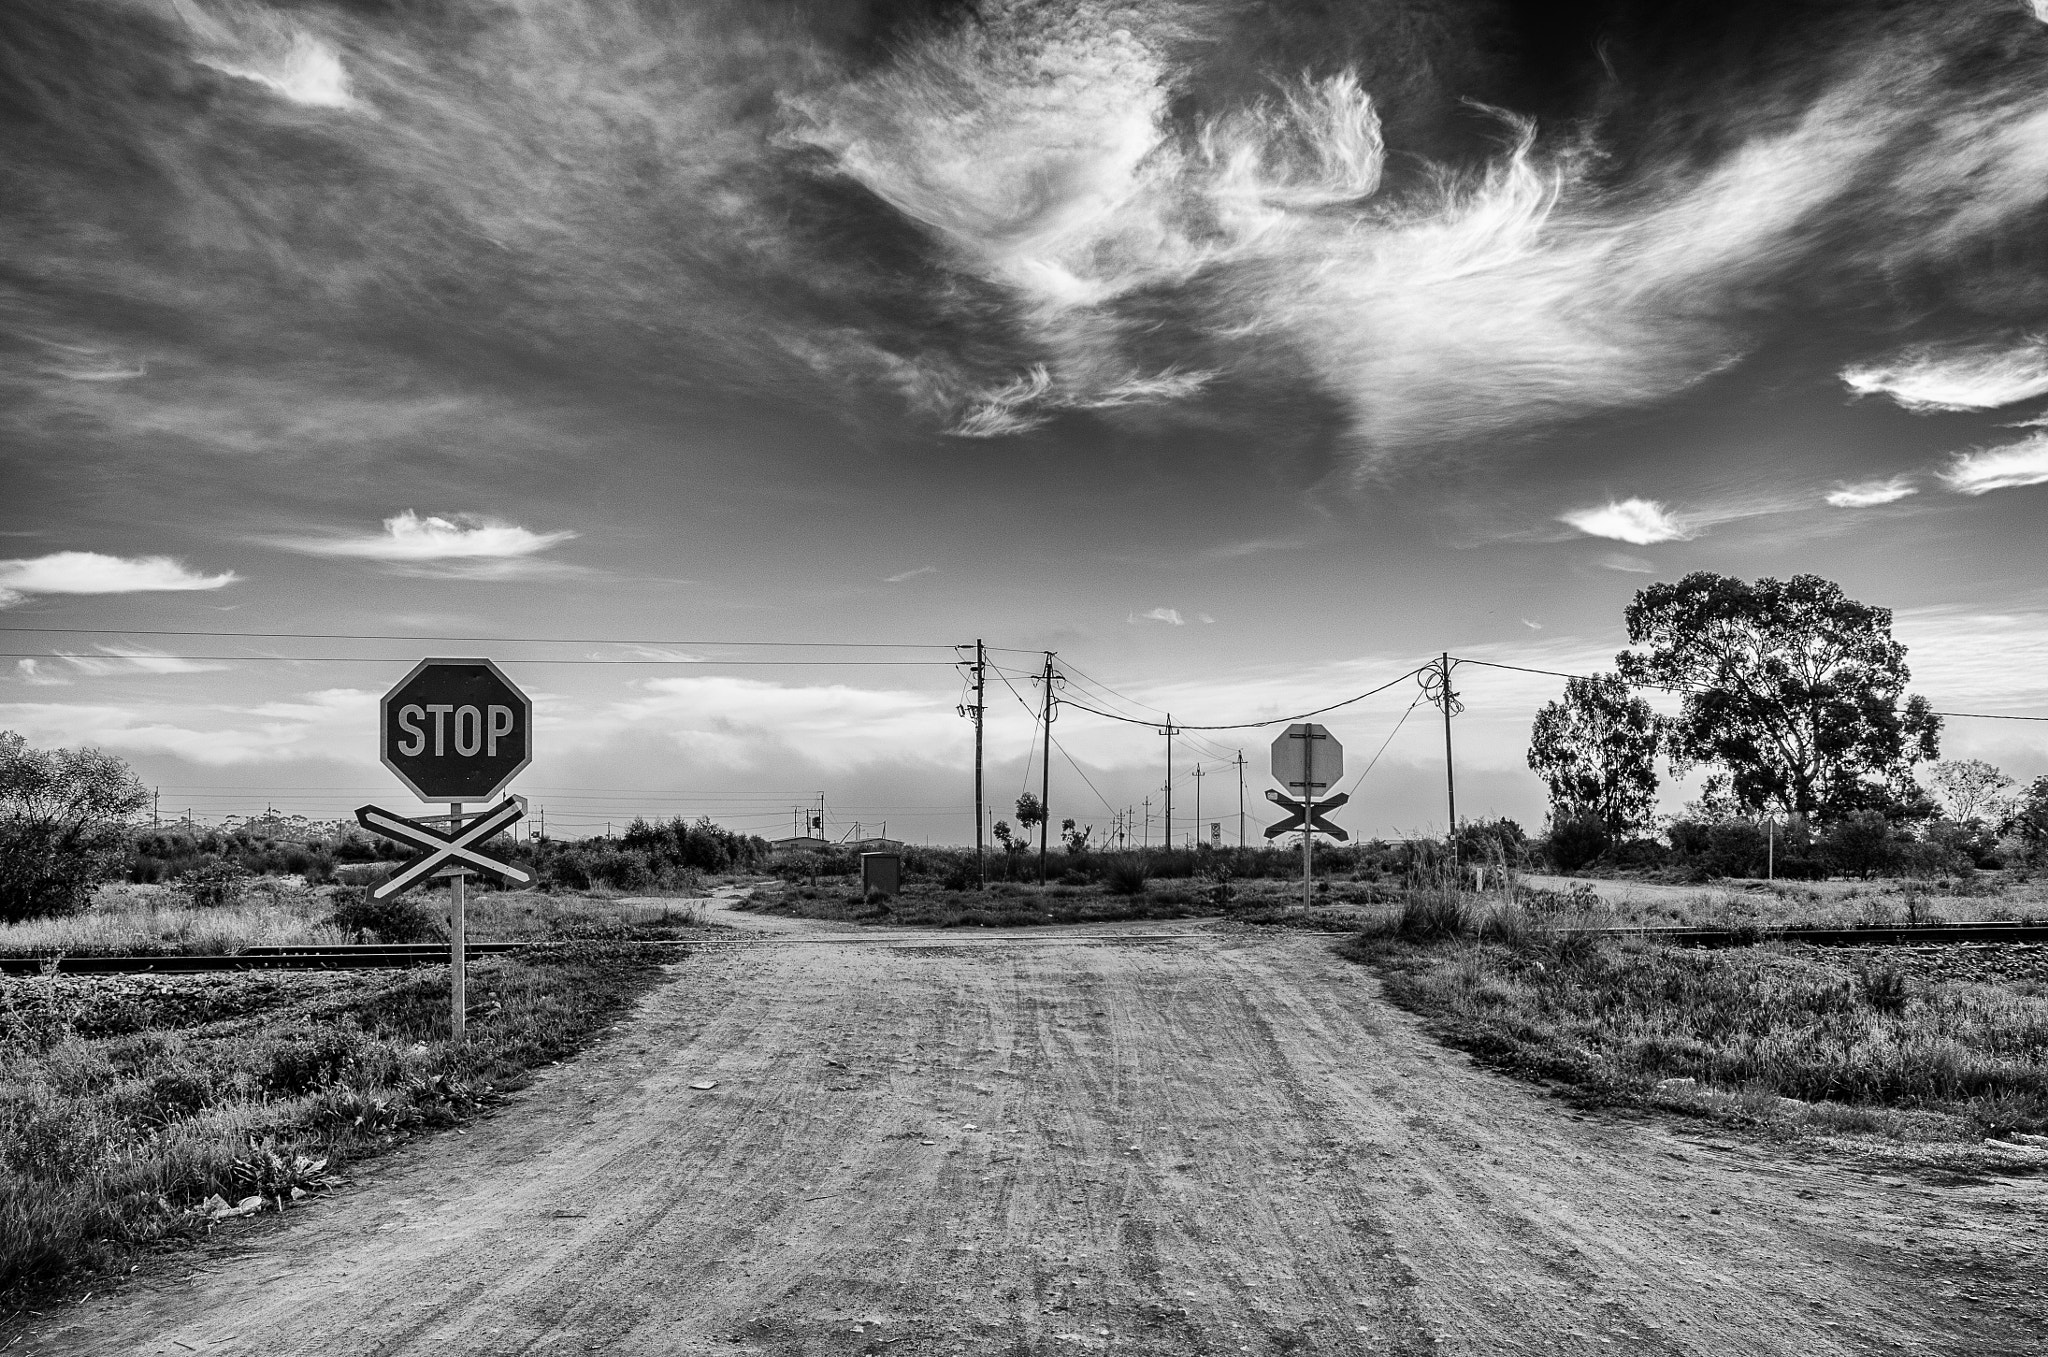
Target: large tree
(1797, 690)
(1597, 751)
(1971, 788)
(62, 828)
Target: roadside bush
(399, 919)
(1126, 876)
(1863, 844)
(60, 826)
(1639, 853)
(215, 884)
(1431, 913)
(1576, 840)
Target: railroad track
(1877, 935)
(373, 956)
(311, 957)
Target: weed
(1126, 876)
(125, 1101)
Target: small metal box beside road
(881, 873)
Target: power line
(1987, 716)
(442, 636)
(407, 659)
(1253, 725)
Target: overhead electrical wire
(443, 636)
(1251, 725)
(701, 662)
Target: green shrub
(1576, 840)
(214, 884)
(399, 919)
(1433, 912)
(1126, 876)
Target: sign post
(453, 730)
(1306, 760)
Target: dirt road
(1206, 1143)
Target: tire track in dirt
(1203, 1145)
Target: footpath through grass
(1790, 1035)
(129, 1102)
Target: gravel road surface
(1061, 1142)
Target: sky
(717, 368)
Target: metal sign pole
(1308, 803)
(458, 991)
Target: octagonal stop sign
(455, 730)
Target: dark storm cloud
(242, 226)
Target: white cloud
(1231, 551)
(328, 724)
(113, 661)
(1864, 494)
(911, 574)
(1627, 564)
(1978, 377)
(1041, 147)
(1639, 522)
(458, 537)
(1984, 469)
(31, 673)
(1170, 616)
(308, 72)
(92, 572)
(1533, 626)
(741, 722)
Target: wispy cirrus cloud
(1971, 377)
(1170, 616)
(1866, 494)
(1639, 522)
(910, 574)
(461, 546)
(93, 572)
(115, 661)
(2002, 468)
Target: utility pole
(977, 711)
(1240, 798)
(1198, 805)
(1168, 838)
(1146, 841)
(1436, 685)
(156, 819)
(1045, 773)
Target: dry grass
(1825, 904)
(125, 1100)
(1617, 1017)
(149, 920)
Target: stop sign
(455, 730)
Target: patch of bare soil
(1203, 1143)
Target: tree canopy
(1596, 750)
(61, 825)
(1794, 688)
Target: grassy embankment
(128, 920)
(1825, 904)
(1799, 1037)
(126, 1102)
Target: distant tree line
(1793, 697)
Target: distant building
(807, 843)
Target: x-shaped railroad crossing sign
(451, 849)
(1303, 816)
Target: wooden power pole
(977, 710)
(1045, 772)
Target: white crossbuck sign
(446, 850)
